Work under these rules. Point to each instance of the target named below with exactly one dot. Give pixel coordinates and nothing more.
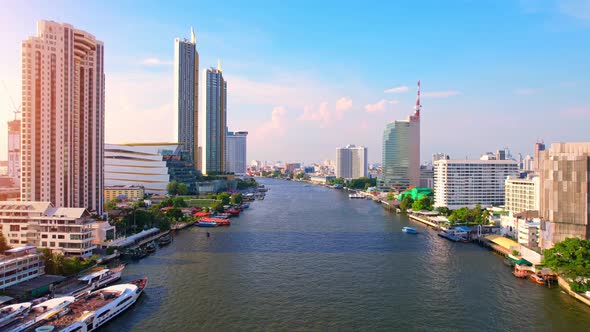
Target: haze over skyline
(304, 82)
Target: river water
(309, 258)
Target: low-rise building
(63, 230)
(20, 264)
(528, 233)
(131, 193)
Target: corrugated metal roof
(503, 241)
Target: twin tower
(207, 150)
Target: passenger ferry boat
(358, 196)
(409, 230)
(92, 281)
(37, 313)
(93, 310)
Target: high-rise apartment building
(14, 150)
(236, 152)
(186, 94)
(214, 120)
(466, 183)
(62, 117)
(522, 194)
(401, 152)
(351, 162)
(564, 171)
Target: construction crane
(15, 109)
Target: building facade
(63, 230)
(186, 94)
(236, 150)
(14, 150)
(426, 176)
(401, 152)
(214, 120)
(564, 178)
(522, 194)
(351, 162)
(466, 183)
(20, 264)
(62, 117)
(131, 193)
(149, 165)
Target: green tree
(172, 188)
(217, 207)
(174, 214)
(236, 199)
(179, 202)
(443, 210)
(422, 204)
(110, 206)
(406, 203)
(224, 198)
(390, 196)
(301, 176)
(182, 189)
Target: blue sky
(305, 77)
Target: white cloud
(321, 115)
(440, 94)
(155, 62)
(526, 91)
(343, 104)
(380, 105)
(273, 128)
(398, 89)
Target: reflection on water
(309, 258)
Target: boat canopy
(520, 261)
(131, 239)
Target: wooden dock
(424, 221)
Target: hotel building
(62, 117)
(236, 152)
(522, 194)
(466, 183)
(351, 162)
(186, 94)
(401, 152)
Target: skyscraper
(214, 120)
(401, 152)
(14, 150)
(186, 94)
(236, 152)
(63, 117)
(351, 162)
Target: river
(309, 258)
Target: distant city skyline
(294, 84)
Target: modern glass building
(401, 152)
(236, 152)
(186, 94)
(214, 121)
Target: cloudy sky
(304, 78)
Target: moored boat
(165, 240)
(91, 281)
(409, 230)
(218, 221)
(95, 309)
(12, 312)
(356, 196)
(151, 247)
(207, 224)
(39, 312)
(537, 279)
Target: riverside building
(186, 94)
(236, 152)
(466, 183)
(351, 162)
(20, 264)
(63, 90)
(214, 120)
(401, 152)
(564, 171)
(522, 194)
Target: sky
(305, 77)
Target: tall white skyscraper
(401, 152)
(351, 162)
(236, 152)
(63, 117)
(186, 94)
(214, 120)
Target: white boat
(91, 282)
(12, 312)
(353, 196)
(95, 309)
(40, 312)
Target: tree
(110, 206)
(390, 196)
(406, 203)
(174, 214)
(172, 188)
(421, 204)
(217, 207)
(182, 189)
(443, 210)
(179, 202)
(301, 176)
(236, 199)
(224, 198)
(3, 245)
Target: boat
(165, 240)
(134, 253)
(151, 247)
(12, 312)
(409, 230)
(449, 236)
(207, 224)
(95, 309)
(245, 205)
(537, 279)
(233, 212)
(355, 196)
(219, 221)
(91, 282)
(39, 312)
